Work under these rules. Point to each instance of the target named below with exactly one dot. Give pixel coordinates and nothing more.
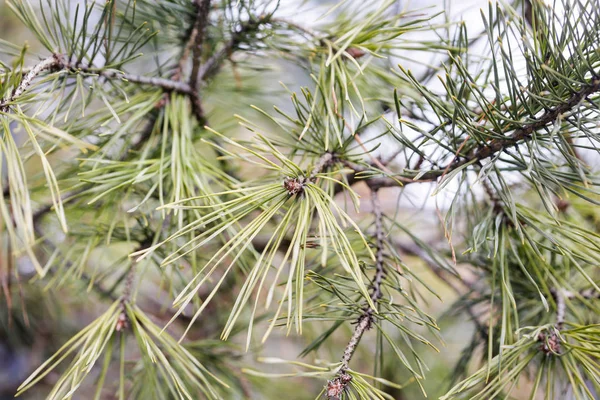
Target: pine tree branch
(489, 149)
(57, 62)
(337, 386)
(47, 63)
(213, 65)
(168, 85)
(198, 34)
(199, 31)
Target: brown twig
(337, 385)
(212, 66)
(493, 147)
(199, 32)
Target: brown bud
(334, 389)
(293, 185)
(550, 343)
(355, 53)
(121, 322)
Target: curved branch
(48, 63)
(489, 149)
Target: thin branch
(561, 307)
(213, 65)
(587, 294)
(324, 161)
(491, 148)
(198, 34)
(337, 386)
(168, 85)
(296, 185)
(379, 246)
(57, 62)
(43, 65)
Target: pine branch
(213, 65)
(57, 62)
(337, 386)
(198, 34)
(487, 150)
(168, 85)
(297, 185)
(48, 63)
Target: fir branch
(337, 386)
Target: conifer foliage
(149, 180)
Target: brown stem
(337, 386)
(489, 149)
(212, 66)
(168, 85)
(203, 8)
(58, 62)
